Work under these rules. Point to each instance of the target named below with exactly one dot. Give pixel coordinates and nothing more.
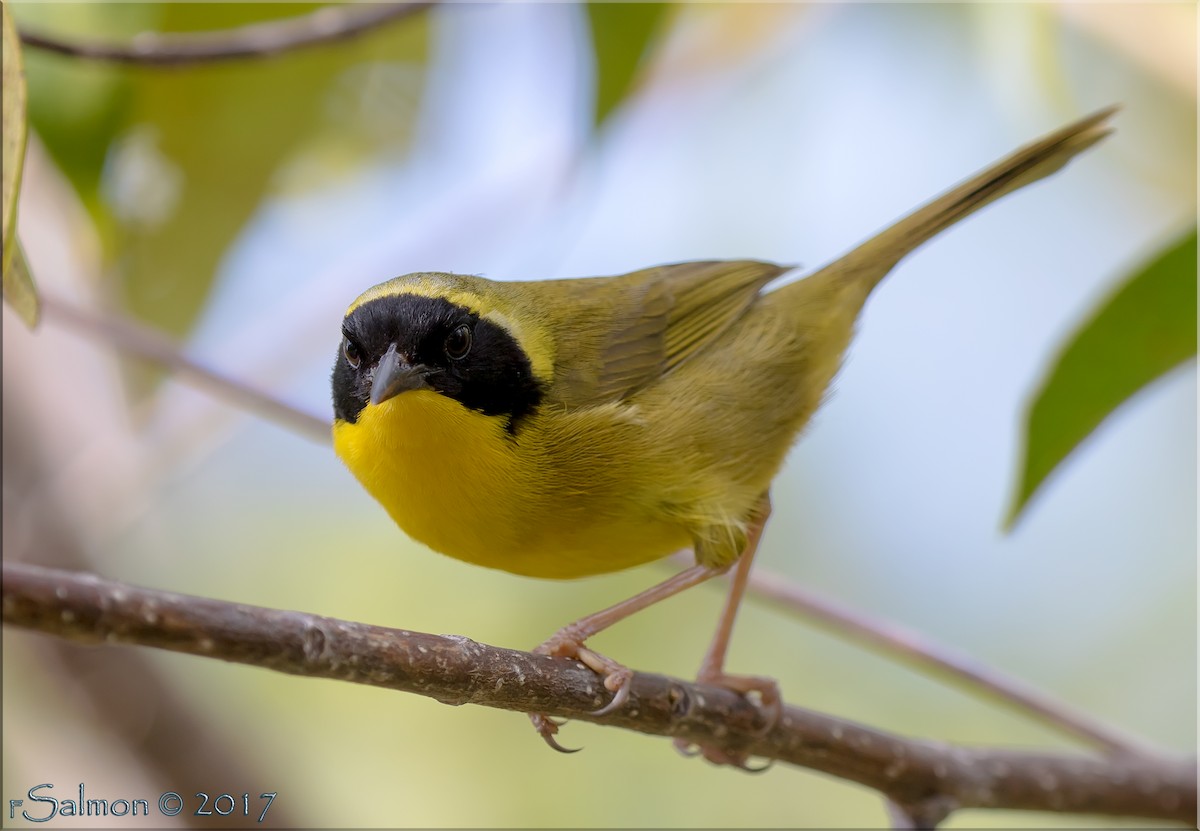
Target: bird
(566, 428)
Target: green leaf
(620, 34)
(1145, 329)
(19, 290)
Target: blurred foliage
(1145, 329)
(173, 162)
(19, 289)
(621, 32)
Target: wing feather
(650, 322)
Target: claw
(617, 679)
(622, 695)
(546, 728)
(553, 742)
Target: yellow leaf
(18, 287)
(19, 290)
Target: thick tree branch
(912, 774)
(257, 40)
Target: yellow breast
(459, 482)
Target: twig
(157, 348)
(456, 670)
(894, 641)
(911, 647)
(256, 40)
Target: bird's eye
(352, 353)
(458, 343)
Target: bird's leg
(568, 641)
(712, 668)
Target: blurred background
(239, 207)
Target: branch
(153, 346)
(893, 641)
(912, 774)
(257, 40)
(910, 646)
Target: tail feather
(870, 262)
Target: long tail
(870, 262)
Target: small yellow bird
(565, 428)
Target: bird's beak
(395, 375)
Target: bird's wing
(648, 323)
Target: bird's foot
(618, 680)
(770, 704)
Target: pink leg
(568, 642)
(712, 668)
